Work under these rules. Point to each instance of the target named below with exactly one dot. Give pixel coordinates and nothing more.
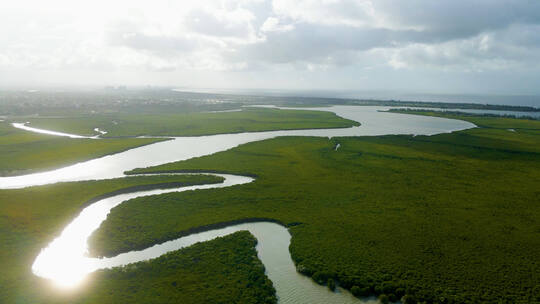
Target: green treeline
(224, 270)
(460, 114)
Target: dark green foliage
(461, 114)
(453, 216)
(482, 120)
(32, 217)
(399, 292)
(451, 105)
(224, 270)
(304, 270)
(408, 299)
(331, 284)
(384, 299)
(357, 291)
(321, 277)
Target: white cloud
(347, 12)
(489, 51)
(233, 24)
(273, 35)
(273, 24)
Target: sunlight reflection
(65, 259)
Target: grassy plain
(220, 271)
(194, 124)
(451, 218)
(23, 152)
(31, 217)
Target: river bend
(65, 261)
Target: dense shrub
(331, 284)
(394, 214)
(384, 299)
(195, 274)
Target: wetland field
(410, 206)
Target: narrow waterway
(65, 261)
(373, 123)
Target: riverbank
(33, 217)
(446, 216)
(347, 204)
(195, 124)
(23, 152)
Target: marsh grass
(32, 217)
(451, 218)
(195, 124)
(23, 152)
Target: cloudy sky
(443, 46)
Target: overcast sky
(437, 46)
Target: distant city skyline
(420, 47)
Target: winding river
(65, 261)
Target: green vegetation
(23, 152)
(32, 217)
(225, 270)
(489, 121)
(448, 105)
(192, 124)
(331, 284)
(452, 218)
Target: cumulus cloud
(458, 18)
(346, 12)
(303, 35)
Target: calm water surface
(65, 260)
(374, 122)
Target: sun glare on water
(65, 270)
(65, 260)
